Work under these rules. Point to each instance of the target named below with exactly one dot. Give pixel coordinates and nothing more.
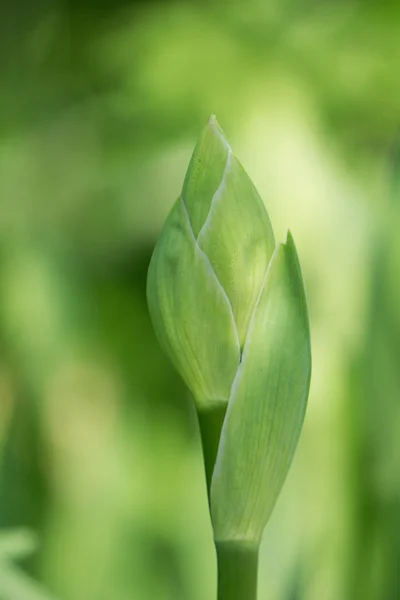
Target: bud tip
(217, 130)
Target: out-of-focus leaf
(17, 543)
(14, 583)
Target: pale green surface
(229, 221)
(204, 175)
(267, 405)
(191, 313)
(238, 240)
(16, 544)
(14, 583)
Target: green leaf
(267, 405)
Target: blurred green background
(100, 106)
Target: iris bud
(229, 309)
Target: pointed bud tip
(217, 130)
(289, 245)
(289, 238)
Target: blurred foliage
(13, 582)
(100, 105)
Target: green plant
(15, 584)
(229, 308)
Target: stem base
(237, 570)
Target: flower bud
(229, 308)
(208, 267)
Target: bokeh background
(102, 493)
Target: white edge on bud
(213, 123)
(216, 195)
(211, 270)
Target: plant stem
(210, 422)
(237, 570)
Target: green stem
(237, 570)
(210, 422)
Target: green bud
(229, 309)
